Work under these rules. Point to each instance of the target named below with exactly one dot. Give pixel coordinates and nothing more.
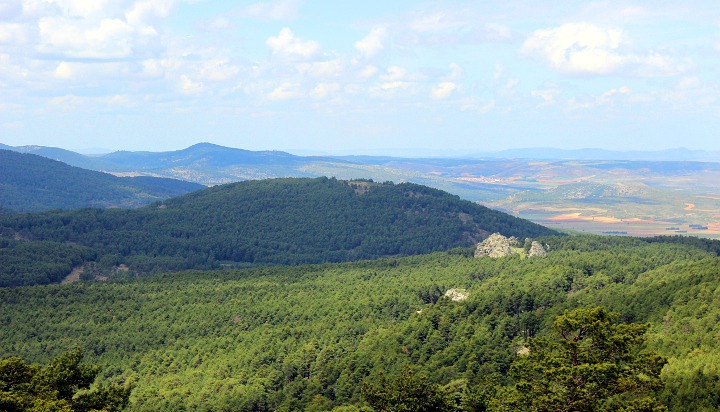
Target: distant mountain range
(569, 189)
(203, 163)
(30, 183)
(210, 164)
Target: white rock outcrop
(457, 295)
(495, 246)
(537, 250)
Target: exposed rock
(457, 295)
(495, 246)
(537, 250)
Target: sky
(361, 77)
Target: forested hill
(31, 183)
(276, 221)
(306, 338)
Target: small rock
(537, 250)
(457, 295)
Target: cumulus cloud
(369, 71)
(273, 10)
(456, 73)
(443, 90)
(322, 69)
(81, 29)
(324, 90)
(584, 48)
(14, 33)
(188, 86)
(394, 73)
(474, 104)
(372, 44)
(285, 91)
(577, 48)
(548, 96)
(111, 38)
(437, 21)
(286, 44)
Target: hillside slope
(276, 221)
(31, 183)
(287, 338)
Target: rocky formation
(496, 246)
(537, 250)
(457, 295)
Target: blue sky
(360, 77)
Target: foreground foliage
(59, 386)
(593, 364)
(308, 337)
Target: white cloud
(324, 90)
(83, 72)
(323, 69)
(474, 104)
(495, 31)
(273, 10)
(394, 73)
(456, 73)
(218, 70)
(443, 90)
(147, 11)
(395, 85)
(577, 48)
(14, 33)
(371, 44)
(287, 45)
(188, 86)
(612, 94)
(547, 95)
(65, 70)
(66, 102)
(437, 21)
(94, 29)
(584, 48)
(369, 71)
(285, 91)
(688, 83)
(608, 98)
(110, 39)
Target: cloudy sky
(362, 77)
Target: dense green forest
(276, 221)
(31, 183)
(312, 337)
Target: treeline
(309, 337)
(37, 263)
(30, 183)
(277, 221)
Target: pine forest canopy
(275, 221)
(289, 338)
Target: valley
(319, 294)
(625, 197)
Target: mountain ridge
(273, 222)
(33, 183)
